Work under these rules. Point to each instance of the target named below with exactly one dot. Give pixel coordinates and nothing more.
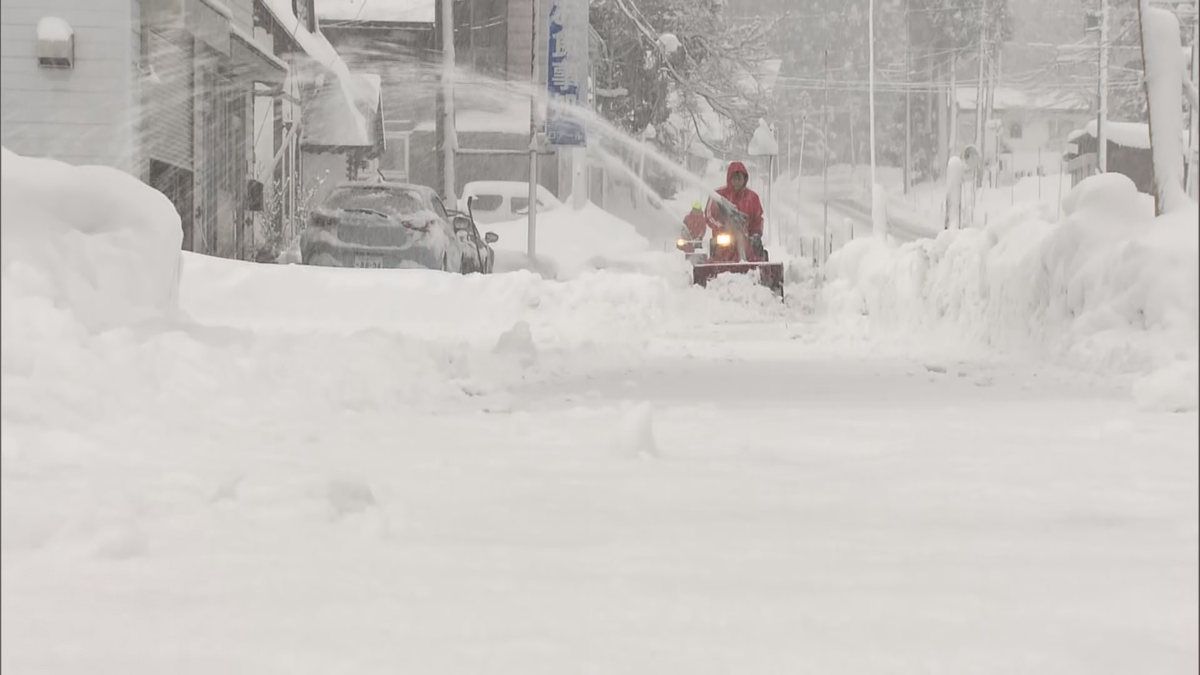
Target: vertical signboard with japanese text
(566, 71)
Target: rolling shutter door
(168, 103)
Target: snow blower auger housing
(732, 251)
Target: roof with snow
(1009, 98)
(341, 115)
(418, 11)
(1125, 134)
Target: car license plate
(369, 262)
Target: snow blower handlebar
(730, 219)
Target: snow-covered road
(326, 474)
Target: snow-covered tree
(1164, 77)
(940, 34)
(703, 63)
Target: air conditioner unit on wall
(55, 43)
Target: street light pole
(1102, 116)
(531, 240)
(1194, 127)
(825, 152)
(907, 101)
(450, 136)
(878, 219)
(979, 85)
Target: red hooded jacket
(744, 200)
(696, 224)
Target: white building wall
(85, 115)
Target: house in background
(202, 100)
(1028, 127)
(1129, 153)
(491, 39)
(401, 55)
(327, 121)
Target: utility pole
(953, 104)
(791, 131)
(878, 219)
(534, 146)
(1194, 129)
(825, 154)
(907, 101)
(450, 135)
(993, 82)
(439, 104)
(803, 131)
(1102, 112)
(983, 22)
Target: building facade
(202, 100)
(491, 102)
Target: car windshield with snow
(387, 200)
(382, 225)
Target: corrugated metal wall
(168, 103)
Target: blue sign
(566, 71)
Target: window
(394, 162)
(520, 205)
(1015, 130)
(386, 201)
(304, 14)
(487, 202)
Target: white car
(498, 201)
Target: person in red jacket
(694, 227)
(695, 222)
(745, 201)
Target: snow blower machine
(731, 250)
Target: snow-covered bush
(92, 240)
(1110, 288)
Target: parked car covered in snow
(498, 201)
(478, 255)
(382, 225)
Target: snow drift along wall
(1109, 288)
(92, 240)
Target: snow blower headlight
(724, 239)
(681, 243)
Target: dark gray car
(382, 225)
(478, 255)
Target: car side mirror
(491, 237)
(462, 223)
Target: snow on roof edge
(258, 49)
(319, 49)
(414, 11)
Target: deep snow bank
(1109, 288)
(90, 239)
(605, 307)
(573, 242)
